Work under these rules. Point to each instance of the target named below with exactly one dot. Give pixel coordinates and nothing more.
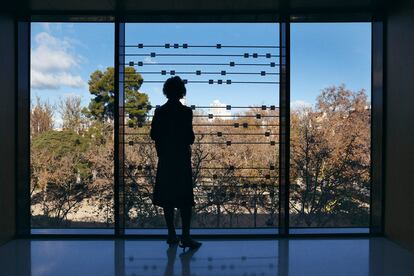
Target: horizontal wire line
(218, 177)
(222, 125)
(145, 167)
(201, 46)
(202, 73)
(264, 107)
(200, 55)
(272, 143)
(212, 134)
(203, 64)
(214, 82)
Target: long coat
(172, 131)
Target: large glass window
(330, 124)
(71, 125)
(232, 79)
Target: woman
(172, 131)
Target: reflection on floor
(375, 256)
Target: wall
(399, 167)
(7, 127)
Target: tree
(71, 112)
(41, 117)
(102, 87)
(330, 159)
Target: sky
(63, 55)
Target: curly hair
(174, 88)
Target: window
(330, 125)
(71, 125)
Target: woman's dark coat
(172, 131)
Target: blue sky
(325, 54)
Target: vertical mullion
(23, 129)
(284, 125)
(377, 124)
(119, 188)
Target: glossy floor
(375, 256)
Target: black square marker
(163, 72)
(223, 73)
(245, 125)
(193, 107)
(263, 73)
(131, 63)
(152, 54)
(267, 133)
(272, 107)
(268, 55)
(255, 55)
(236, 124)
(210, 81)
(263, 107)
(140, 63)
(228, 107)
(232, 64)
(140, 45)
(272, 167)
(167, 45)
(228, 143)
(198, 72)
(176, 45)
(172, 72)
(218, 46)
(210, 116)
(228, 81)
(185, 81)
(246, 55)
(258, 116)
(272, 143)
(131, 143)
(185, 45)
(272, 64)
(219, 134)
(220, 81)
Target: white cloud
(52, 63)
(216, 108)
(299, 104)
(149, 60)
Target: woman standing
(172, 131)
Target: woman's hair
(174, 88)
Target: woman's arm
(155, 128)
(191, 135)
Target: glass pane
(330, 124)
(234, 94)
(71, 121)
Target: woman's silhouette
(172, 131)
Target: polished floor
(330, 257)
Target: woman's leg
(169, 219)
(185, 221)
